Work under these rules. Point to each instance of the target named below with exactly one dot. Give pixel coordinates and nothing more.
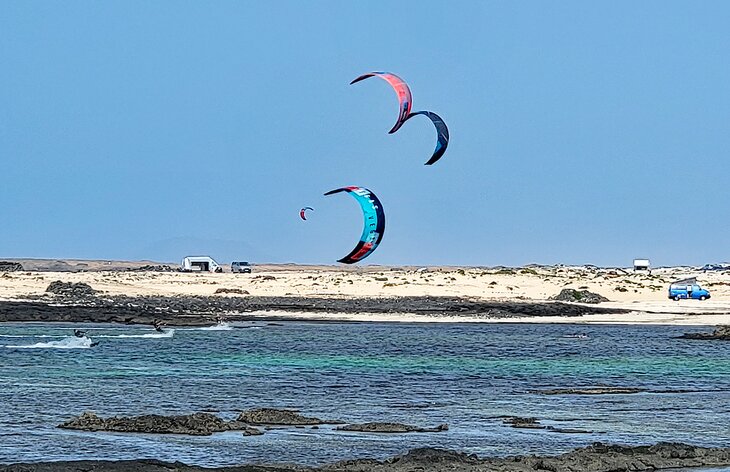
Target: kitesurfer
(157, 324)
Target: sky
(581, 132)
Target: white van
(200, 264)
(642, 265)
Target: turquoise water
(466, 375)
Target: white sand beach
(645, 295)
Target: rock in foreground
(390, 428)
(596, 458)
(197, 424)
(579, 296)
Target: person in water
(157, 324)
(79, 334)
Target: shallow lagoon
(466, 375)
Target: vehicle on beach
(240, 267)
(200, 264)
(687, 289)
(642, 265)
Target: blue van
(687, 289)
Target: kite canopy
(442, 141)
(302, 212)
(405, 99)
(374, 226)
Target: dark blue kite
(443, 134)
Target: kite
(302, 212)
(374, 226)
(405, 99)
(443, 134)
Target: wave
(31, 336)
(168, 333)
(65, 343)
(218, 327)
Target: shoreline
(198, 311)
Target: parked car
(241, 267)
(687, 289)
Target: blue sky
(582, 132)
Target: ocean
(466, 375)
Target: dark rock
(251, 431)
(10, 266)
(524, 423)
(264, 278)
(534, 423)
(197, 310)
(580, 296)
(721, 333)
(596, 458)
(196, 424)
(390, 428)
(603, 458)
(554, 429)
(273, 416)
(231, 290)
(152, 268)
(71, 289)
(590, 391)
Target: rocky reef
(196, 424)
(81, 303)
(534, 423)
(595, 458)
(390, 428)
(277, 417)
(721, 333)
